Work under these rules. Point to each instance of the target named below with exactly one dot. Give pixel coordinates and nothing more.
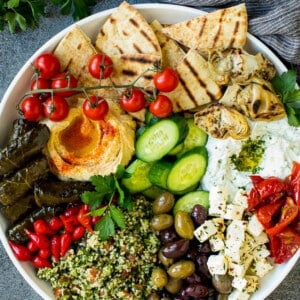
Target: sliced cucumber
(153, 192)
(177, 149)
(189, 200)
(187, 170)
(159, 172)
(196, 137)
(158, 139)
(138, 181)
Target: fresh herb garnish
(285, 86)
(26, 13)
(107, 201)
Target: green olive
(184, 225)
(165, 260)
(153, 296)
(174, 285)
(163, 203)
(181, 269)
(161, 221)
(159, 277)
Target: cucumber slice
(159, 172)
(177, 149)
(153, 192)
(189, 200)
(196, 137)
(138, 181)
(187, 170)
(158, 139)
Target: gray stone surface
(14, 52)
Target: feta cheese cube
(261, 239)
(234, 212)
(252, 284)
(216, 242)
(254, 227)
(220, 223)
(236, 230)
(240, 198)
(238, 295)
(205, 231)
(236, 269)
(239, 283)
(250, 243)
(234, 251)
(261, 267)
(260, 252)
(217, 264)
(218, 197)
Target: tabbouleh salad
(114, 269)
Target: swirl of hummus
(79, 148)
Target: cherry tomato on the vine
(39, 83)
(162, 106)
(56, 108)
(133, 100)
(95, 107)
(166, 81)
(47, 65)
(64, 80)
(32, 109)
(100, 66)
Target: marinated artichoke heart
(79, 148)
(256, 100)
(237, 66)
(220, 121)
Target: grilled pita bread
(224, 28)
(127, 32)
(195, 88)
(172, 53)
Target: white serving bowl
(165, 13)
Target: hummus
(79, 148)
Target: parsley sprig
(108, 201)
(21, 14)
(290, 96)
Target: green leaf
(104, 183)
(93, 199)
(13, 4)
(37, 8)
(117, 216)
(105, 227)
(292, 96)
(286, 82)
(66, 7)
(99, 212)
(81, 9)
(293, 116)
(13, 18)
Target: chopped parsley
(250, 156)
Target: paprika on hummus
(79, 148)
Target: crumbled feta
(261, 267)
(205, 231)
(261, 252)
(254, 227)
(218, 196)
(240, 198)
(239, 283)
(236, 230)
(220, 224)
(216, 242)
(234, 212)
(261, 239)
(217, 264)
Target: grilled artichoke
(220, 121)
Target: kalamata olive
(161, 222)
(163, 203)
(168, 235)
(174, 285)
(182, 295)
(181, 269)
(204, 248)
(165, 260)
(222, 283)
(199, 214)
(159, 277)
(202, 265)
(184, 225)
(176, 249)
(153, 296)
(197, 290)
(194, 278)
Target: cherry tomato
(266, 212)
(55, 247)
(40, 262)
(39, 84)
(162, 107)
(64, 80)
(100, 66)
(56, 108)
(295, 182)
(95, 108)
(47, 65)
(65, 243)
(55, 223)
(21, 252)
(133, 100)
(270, 186)
(41, 226)
(167, 80)
(32, 109)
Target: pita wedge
(74, 52)
(195, 87)
(127, 32)
(221, 29)
(172, 53)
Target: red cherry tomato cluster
(50, 240)
(276, 203)
(48, 76)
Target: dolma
(21, 182)
(16, 232)
(23, 148)
(20, 127)
(54, 192)
(24, 205)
